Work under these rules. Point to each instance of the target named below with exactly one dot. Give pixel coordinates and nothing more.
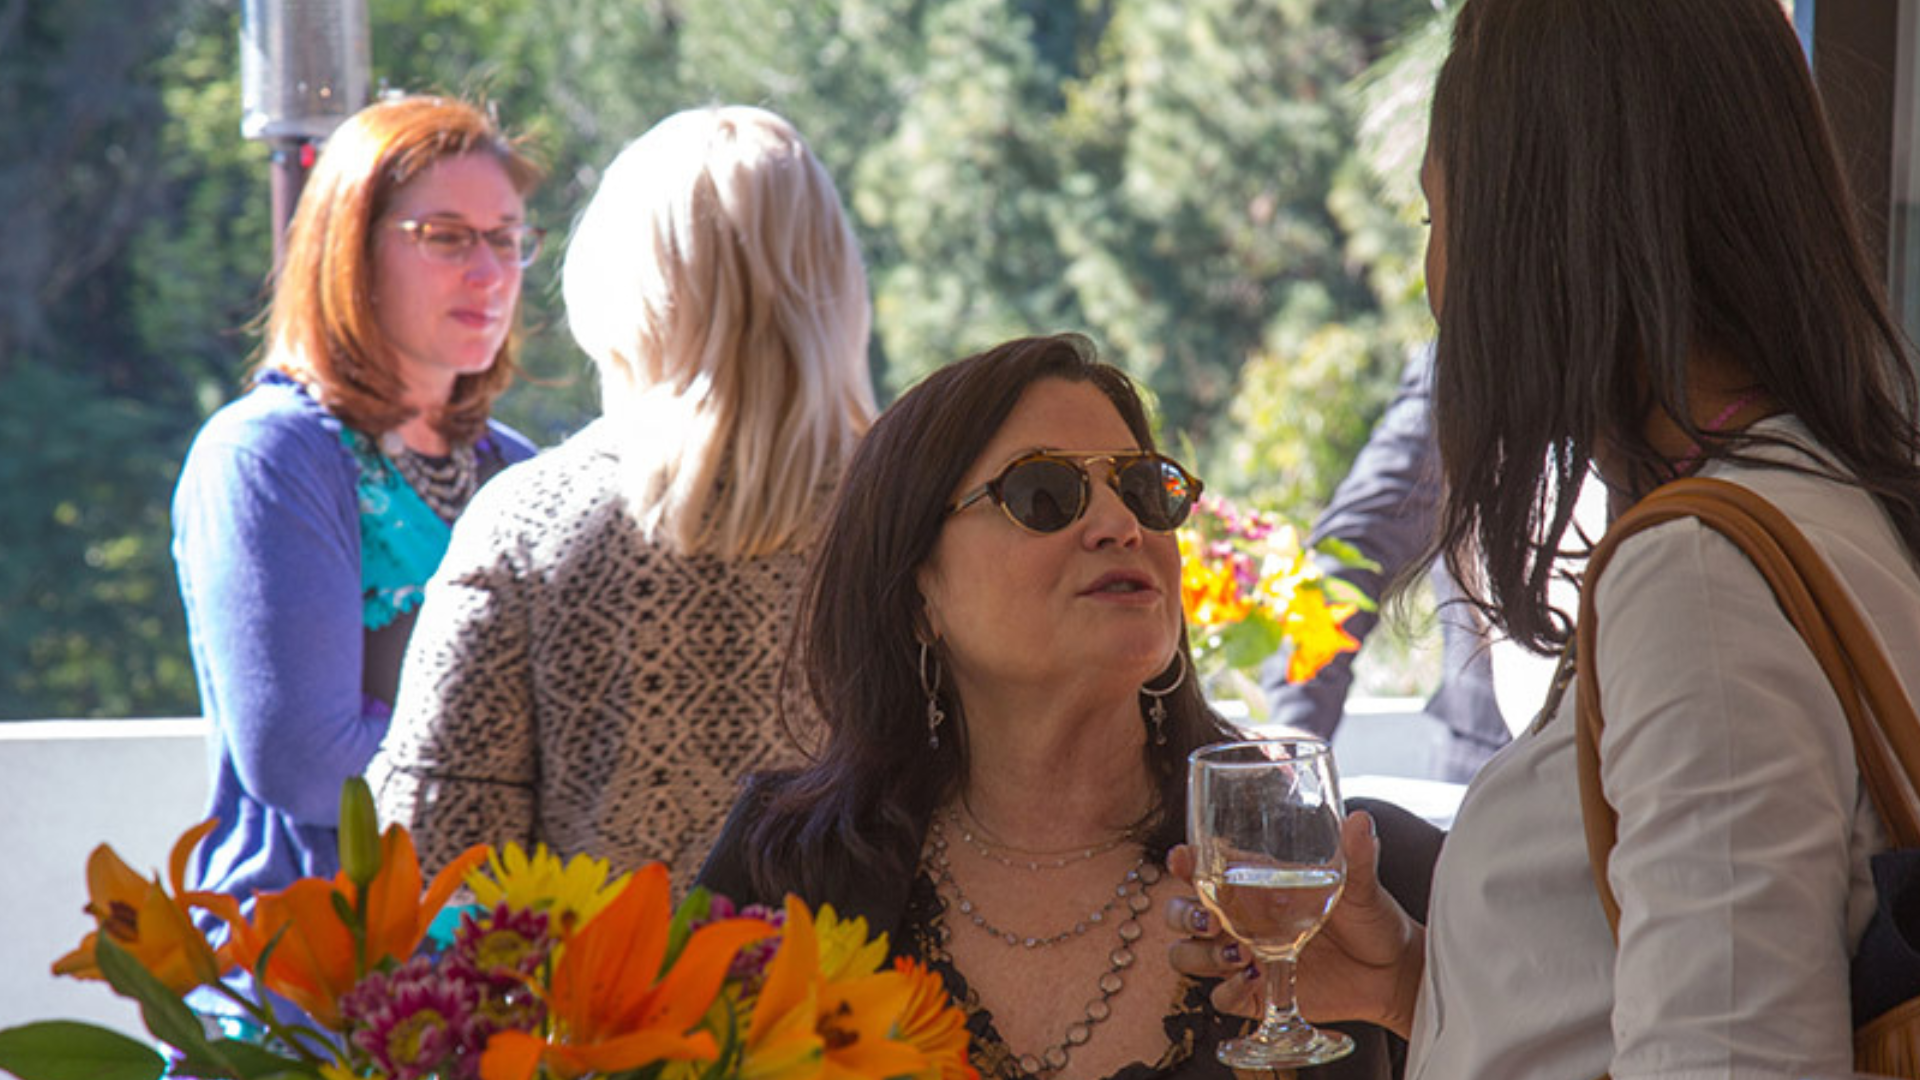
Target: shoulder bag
(1886, 741)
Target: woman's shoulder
(727, 870)
(558, 498)
(512, 446)
(276, 422)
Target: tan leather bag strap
(1888, 751)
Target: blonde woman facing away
(601, 655)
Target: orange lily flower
(808, 1027)
(155, 928)
(314, 963)
(1318, 632)
(611, 1006)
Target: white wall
(67, 786)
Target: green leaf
(1341, 591)
(166, 1016)
(1346, 554)
(65, 1050)
(231, 1057)
(697, 905)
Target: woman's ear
(926, 624)
(928, 627)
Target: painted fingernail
(1200, 920)
(1231, 954)
(1251, 973)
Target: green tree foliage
(1178, 179)
(94, 413)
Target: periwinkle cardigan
(266, 542)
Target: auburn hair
(321, 324)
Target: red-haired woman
(312, 510)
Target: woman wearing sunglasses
(311, 511)
(993, 634)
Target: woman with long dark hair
(993, 635)
(1645, 264)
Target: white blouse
(1744, 833)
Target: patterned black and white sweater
(571, 682)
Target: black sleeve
(1409, 847)
(726, 871)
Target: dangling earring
(935, 714)
(1157, 712)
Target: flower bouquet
(1250, 589)
(557, 973)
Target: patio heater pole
(303, 69)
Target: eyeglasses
(453, 241)
(1044, 492)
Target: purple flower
(504, 942)
(500, 954)
(750, 963)
(416, 1020)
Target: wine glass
(1263, 819)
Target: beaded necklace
(1021, 859)
(444, 483)
(1131, 894)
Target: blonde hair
(718, 287)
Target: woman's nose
(486, 266)
(1109, 521)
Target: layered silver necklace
(1129, 901)
(445, 484)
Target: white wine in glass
(1263, 819)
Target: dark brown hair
(1627, 183)
(863, 807)
(321, 326)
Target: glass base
(1301, 1045)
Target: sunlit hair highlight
(716, 283)
(321, 322)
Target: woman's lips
(1122, 584)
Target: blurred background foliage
(1219, 192)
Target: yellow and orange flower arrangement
(1250, 589)
(558, 972)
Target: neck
(1052, 780)
(1722, 397)
(422, 437)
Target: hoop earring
(931, 686)
(1157, 712)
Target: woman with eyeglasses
(600, 660)
(311, 510)
(993, 635)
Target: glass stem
(1282, 1017)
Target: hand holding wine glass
(1264, 823)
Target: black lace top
(911, 914)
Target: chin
(474, 365)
